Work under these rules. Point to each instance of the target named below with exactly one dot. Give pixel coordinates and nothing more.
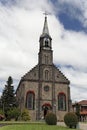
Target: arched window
(30, 100)
(61, 102)
(46, 75)
(46, 43)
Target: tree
(8, 96)
(78, 110)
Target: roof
(33, 75)
(83, 102)
(45, 29)
(83, 113)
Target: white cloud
(73, 47)
(78, 94)
(77, 77)
(77, 9)
(20, 29)
(33, 4)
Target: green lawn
(33, 127)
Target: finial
(45, 13)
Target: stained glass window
(61, 102)
(30, 100)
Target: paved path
(81, 126)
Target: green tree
(78, 110)
(8, 96)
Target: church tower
(45, 60)
(44, 88)
(45, 52)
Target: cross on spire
(45, 13)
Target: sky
(21, 24)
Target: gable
(59, 76)
(32, 74)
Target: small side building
(83, 109)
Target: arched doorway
(46, 107)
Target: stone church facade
(44, 88)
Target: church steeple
(45, 52)
(45, 28)
(45, 38)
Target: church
(44, 88)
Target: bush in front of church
(51, 119)
(25, 115)
(13, 113)
(71, 120)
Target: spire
(45, 32)
(45, 38)
(45, 28)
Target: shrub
(1, 112)
(13, 113)
(51, 119)
(25, 115)
(71, 120)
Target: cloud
(45, 5)
(77, 77)
(7, 2)
(73, 46)
(20, 28)
(75, 9)
(78, 94)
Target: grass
(33, 127)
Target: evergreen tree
(8, 96)
(1, 103)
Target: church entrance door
(45, 111)
(46, 108)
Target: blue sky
(70, 23)
(21, 23)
